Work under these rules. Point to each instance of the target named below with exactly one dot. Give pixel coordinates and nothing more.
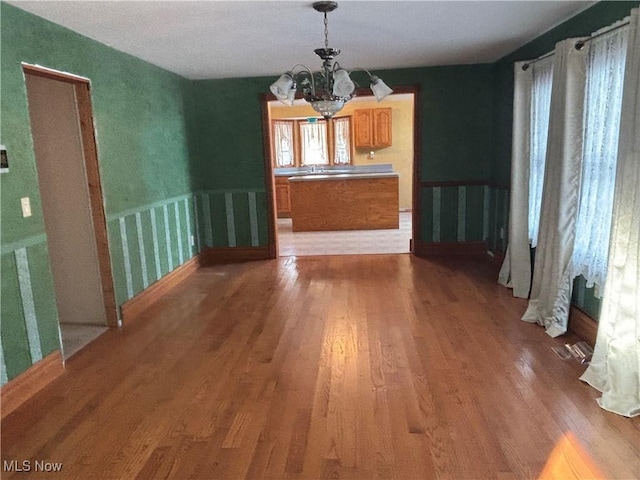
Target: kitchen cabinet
(372, 127)
(283, 197)
(344, 202)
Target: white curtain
(516, 268)
(314, 143)
(283, 141)
(552, 280)
(605, 75)
(342, 136)
(542, 72)
(532, 101)
(615, 367)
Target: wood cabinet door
(382, 127)
(283, 198)
(363, 128)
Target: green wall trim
(28, 305)
(464, 213)
(144, 208)
(149, 242)
(23, 243)
(230, 218)
(29, 328)
(152, 240)
(3, 367)
(588, 299)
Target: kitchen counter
(345, 201)
(340, 176)
(333, 170)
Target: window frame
(297, 150)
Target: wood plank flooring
(357, 367)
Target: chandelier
(330, 88)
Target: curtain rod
(546, 55)
(579, 44)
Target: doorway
(403, 156)
(72, 204)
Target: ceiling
(222, 39)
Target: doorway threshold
(76, 337)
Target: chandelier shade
(284, 89)
(343, 86)
(379, 88)
(332, 87)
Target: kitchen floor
(350, 242)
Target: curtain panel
(605, 75)
(283, 143)
(552, 281)
(516, 268)
(314, 143)
(342, 136)
(542, 72)
(615, 367)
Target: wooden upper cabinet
(382, 127)
(363, 120)
(372, 127)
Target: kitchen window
(307, 142)
(314, 142)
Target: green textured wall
(456, 128)
(142, 148)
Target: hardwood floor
(382, 366)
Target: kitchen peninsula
(343, 198)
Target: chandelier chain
(326, 31)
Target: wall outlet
(26, 207)
(192, 239)
(502, 232)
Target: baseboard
(583, 325)
(133, 307)
(31, 381)
(219, 255)
(432, 249)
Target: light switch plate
(26, 207)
